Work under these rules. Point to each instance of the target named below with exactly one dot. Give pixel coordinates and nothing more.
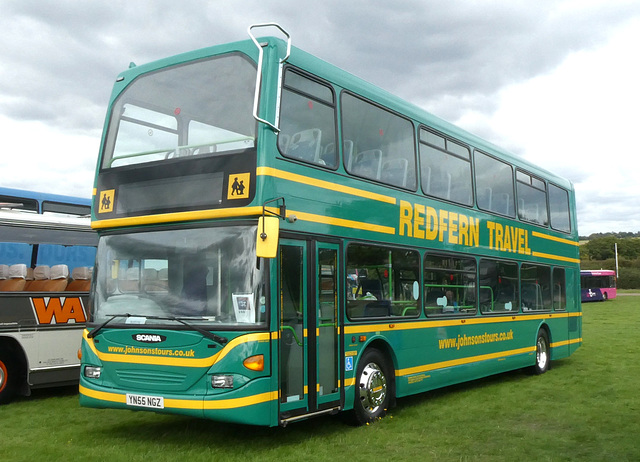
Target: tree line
(599, 253)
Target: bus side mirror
(267, 238)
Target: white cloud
(531, 77)
(40, 158)
(579, 121)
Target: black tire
(374, 387)
(8, 378)
(543, 353)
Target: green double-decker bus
(279, 239)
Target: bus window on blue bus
(73, 257)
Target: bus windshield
(206, 275)
(201, 108)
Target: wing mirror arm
(269, 228)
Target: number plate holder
(152, 402)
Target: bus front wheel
(373, 387)
(8, 378)
(543, 353)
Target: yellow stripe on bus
(554, 238)
(342, 222)
(268, 171)
(178, 216)
(479, 358)
(176, 361)
(430, 324)
(461, 361)
(232, 403)
(103, 395)
(571, 341)
(555, 257)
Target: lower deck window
(449, 285)
(382, 282)
(499, 287)
(536, 287)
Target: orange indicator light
(254, 363)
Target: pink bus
(597, 285)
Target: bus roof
(43, 202)
(348, 81)
(368, 90)
(32, 228)
(597, 272)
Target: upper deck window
(532, 199)
(559, 209)
(445, 168)
(200, 108)
(494, 185)
(378, 144)
(308, 121)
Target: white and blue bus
(46, 262)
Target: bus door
(309, 371)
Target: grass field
(587, 407)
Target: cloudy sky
(557, 82)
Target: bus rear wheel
(8, 378)
(374, 388)
(543, 353)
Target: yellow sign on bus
(106, 201)
(239, 186)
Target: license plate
(153, 402)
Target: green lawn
(587, 407)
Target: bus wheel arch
(12, 370)
(375, 384)
(543, 351)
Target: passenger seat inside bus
(16, 278)
(156, 283)
(394, 171)
(80, 279)
(149, 279)
(54, 279)
(41, 275)
(306, 145)
(59, 279)
(368, 164)
(131, 281)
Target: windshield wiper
(97, 329)
(210, 335)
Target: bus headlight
(92, 372)
(222, 381)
